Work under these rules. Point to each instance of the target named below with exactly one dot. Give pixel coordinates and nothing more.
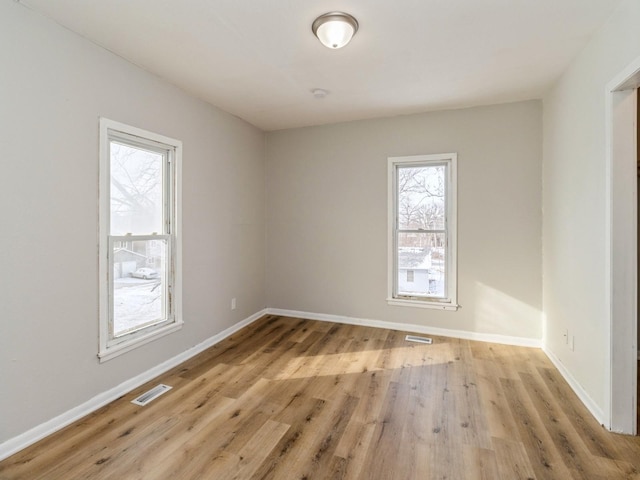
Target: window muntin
(139, 254)
(422, 230)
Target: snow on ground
(136, 302)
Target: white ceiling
(259, 60)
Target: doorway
(623, 249)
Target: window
(422, 231)
(140, 289)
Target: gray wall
(327, 216)
(575, 221)
(53, 87)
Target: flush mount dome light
(335, 29)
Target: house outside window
(422, 231)
(140, 281)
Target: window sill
(400, 302)
(126, 346)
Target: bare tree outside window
(421, 235)
(137, 208)
(136, 190)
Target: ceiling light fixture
(319, 93)
(335, 29)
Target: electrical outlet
(572, 343)
(233, 303)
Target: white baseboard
(29, 437)
(410, 327)
(584, 397)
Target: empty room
(277, 239)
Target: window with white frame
(422, 231)
(140, 285)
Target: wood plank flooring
(289, 399)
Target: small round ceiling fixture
(335, 29)
(319, 93)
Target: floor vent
(413, 338)
(151, 395)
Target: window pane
(424, 255)
(136, 190)
(421, 197)
(139, 285)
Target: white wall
(574, 185)
(53, 87)
(327, 216)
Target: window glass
(136, 190)
(421, 198)
(139, 286)
(424, 255)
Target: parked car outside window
(145, 273)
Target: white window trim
(108, 349)
(452, 282)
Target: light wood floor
(296, 399)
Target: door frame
(621, 249)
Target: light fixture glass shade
(335, 29)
